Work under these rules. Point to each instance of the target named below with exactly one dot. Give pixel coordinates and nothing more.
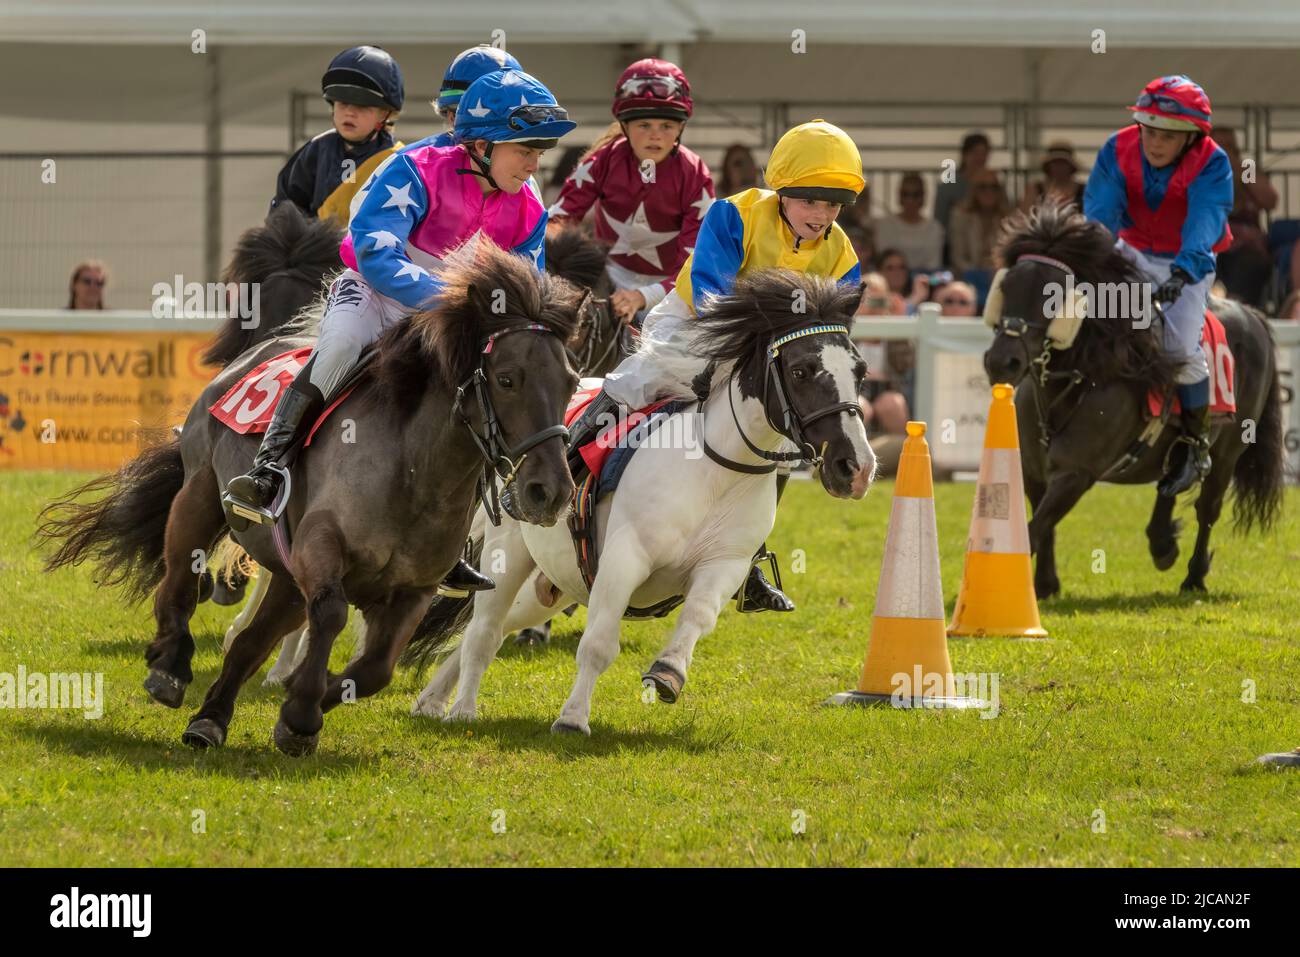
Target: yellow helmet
(816, 161)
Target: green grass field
(1133, 708)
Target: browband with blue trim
(800, 333)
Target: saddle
(1222, 365)
(607, 458)
(1162, 405)
(248, 405)
(247, 408)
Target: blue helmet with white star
(468, 66)
(511, 107)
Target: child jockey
(467, 67)
(650, 191)
(1164, 187)
(363, 86)
(814, 171)
(421, 207)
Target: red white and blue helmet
(467, 67)
(511, 107)
(652, 88)
(1173, 103)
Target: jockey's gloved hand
(1172, 287)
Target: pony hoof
(564, 727)
(667, 681)
(532, 637)
(165, 689)
(1166, 561)
(223, 594)
(428, 708)
(205, 586)
(204, 733)
(1285, 759)
(1192, 585)
(293, 744)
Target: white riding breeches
(355, 316)
(1183, 317)
(665, 365)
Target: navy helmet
(364, 76)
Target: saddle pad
(617, 460)
(247, 407)
(1218, 356)
(596, 452)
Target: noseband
(501, 460)
(1016, 326)
(794, 424)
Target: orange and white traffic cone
(907, 662)
(997, 587)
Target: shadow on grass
(235, 760)
(534, 734)
(1148, 602)
(204, 640)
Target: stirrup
(768, 556)
(1168, 477)
(240, 513)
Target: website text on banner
(77, 400)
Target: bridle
(500, 459)
(1015, 327)
(591, 329)
(793, 425)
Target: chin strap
(484, 166)
(780, 210)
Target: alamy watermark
(928, 689)
(1104, 300)
(195, 300)
(639, 431)
(74, 691)
(75, 909)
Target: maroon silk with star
(651, 218)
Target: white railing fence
(950, 391)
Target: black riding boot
(249, 497)
(758, 594)
(594, 420)
(463, 579)
(1195, 465)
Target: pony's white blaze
(839, 361)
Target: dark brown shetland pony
(1087, 401)
(376, 522)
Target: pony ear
(993, 304)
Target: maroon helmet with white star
(653, 89)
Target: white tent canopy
(1017, 23)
